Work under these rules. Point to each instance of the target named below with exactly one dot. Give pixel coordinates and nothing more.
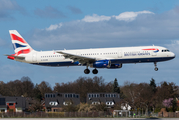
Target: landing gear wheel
(86, 71)
(95, 71)
(156, 69)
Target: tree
(174, 105)
(37, 93)
(145, 94)
(84, 85)
(4, 90)
(129, 91)
(36, 106)
(168, 102)
(44, 87)
(70, 108)
(14, 88)
(116, 88)
(153, 85)
(18, 87)
(27, 87)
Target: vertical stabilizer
(19, 44)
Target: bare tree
(27, 87)
(44, 87)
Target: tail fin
(19, 44)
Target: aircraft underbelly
(124, 60)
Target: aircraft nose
(172, 55)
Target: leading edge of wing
(77, 57)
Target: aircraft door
(34, 57)
(120, 54)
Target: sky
(79, 24)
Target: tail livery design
(21, 47)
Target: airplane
(110, 58)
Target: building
(110, 99)
(55, 101)
(13, 104)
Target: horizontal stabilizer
(15, 57)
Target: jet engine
(105, 64)
(101, 64)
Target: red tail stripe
(15, 37)
(25, 51)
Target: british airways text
(136, 53)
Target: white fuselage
(118, 55)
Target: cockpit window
(165, 50)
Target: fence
(54, 114)
(168, 114)
(132, 114)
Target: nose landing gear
(156, 68)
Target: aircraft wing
(16, 57)
(81, 59)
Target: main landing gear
(156, 68)
(95, 71)
(87, 71)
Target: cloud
(54, 27)
(95, 18)
(126, 16)
(74, 10)
(129, 16)
(49, 12)
(126, 29)
(7, 8)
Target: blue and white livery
(110, 58)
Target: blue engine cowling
(106, 64)
(101, 64)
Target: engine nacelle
(105, 64)
(115, 66)
(101, 64)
